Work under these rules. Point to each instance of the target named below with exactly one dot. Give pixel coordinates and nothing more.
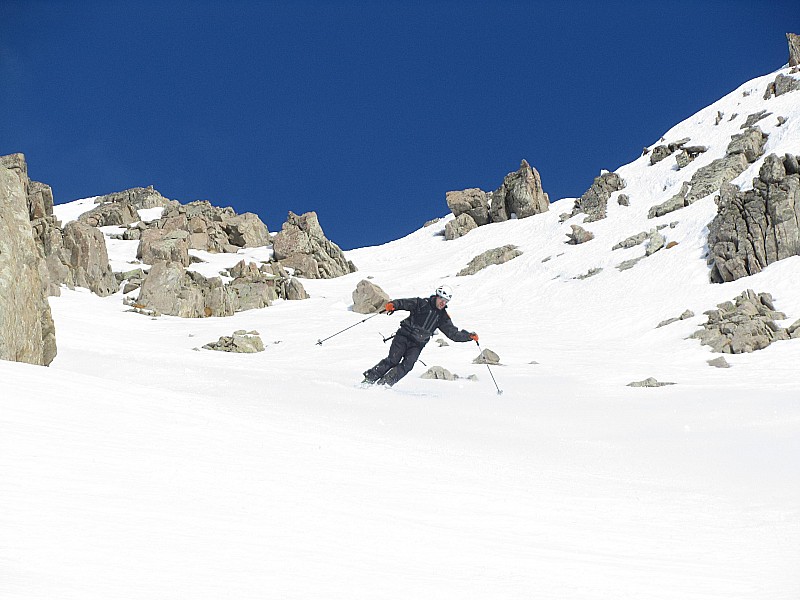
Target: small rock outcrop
(744, 325)
(496, 256)
(473, 202)
(743, 149)
(459, 227)
(441, 373)
(594, 201)
(302, 246)
(755, 228)
(368, 298)
(487, 357)
(783, 84)
(650, 382)
(687, 314)
(27, 332)
(241, 342)
(579, 235)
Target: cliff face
(27, 333)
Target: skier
(427, 315)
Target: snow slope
(138, 467)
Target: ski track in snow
(138, 466)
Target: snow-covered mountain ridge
(137, 466)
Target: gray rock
(86, 258)
(687, 314)
(473, 202)
(302, 246)
(520, 195)
(623, 200)
(579, 235)
(487, 357)
(459, 227)
(745, 325)
(240, 342)
(719, 363)
(594, 201)
(649, 382)
(783, 84)
(755, 228)
(495, 256)
(246, 231)
(368, 298)
(655, 243)
(438, 373)
(629, 264)
(591, 273)
(27, 332)
(633, 240)
(164, 245)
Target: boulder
(170, 245)
(302, 246)
(459, 227)
(437, 372)
(27, 332)
(496, 256)
(368, 298)
(579, 235)
(783, 84)
(85, 256)
(473, 202)
(755, 228)
(246, 230)
(794, 49)
(487, 357)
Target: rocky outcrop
(594, 201)
(755, 228)
(170, 289)
(746, 324)
(241, 342)
(662, 151)
(783, 84)
(496, 256)
(368, 298)
(27, 332)
(794, 49)
(520, 196)
(687, 314)
(650, 382)
(743, 149)
(302, 246)
(164, 245)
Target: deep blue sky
(366, 112)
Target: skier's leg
(396, 353)
(396, 373)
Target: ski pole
(319, 342)
(499, 391)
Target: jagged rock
(633, 240)
(438, 373)
(650, 382)
(594, 201)
(172, 290)
(655, 243)
(246, 230)
(794, 49)
(629, 264)
(302, 246)
(745, 325)
(112, 213)
(623, 200)
(495, 256)
(240, 342)
(755, 118)
(755, 228)
(286, 286)
(688, 154)
(86, 258)
(579, 235)
(520, 195)
(459, 227)
(368, 297)
(487, 357)
(27, 332)
(783, 84)
(473, 202)
(253, 288)
(687, 314)
(40, 200)
(750, 143)
(661, 152)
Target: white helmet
(445, 292)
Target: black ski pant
(403, 353)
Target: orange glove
(389, 308)
(473, 336)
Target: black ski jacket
(425, 319)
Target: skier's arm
(457, 335)
(405, 303)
